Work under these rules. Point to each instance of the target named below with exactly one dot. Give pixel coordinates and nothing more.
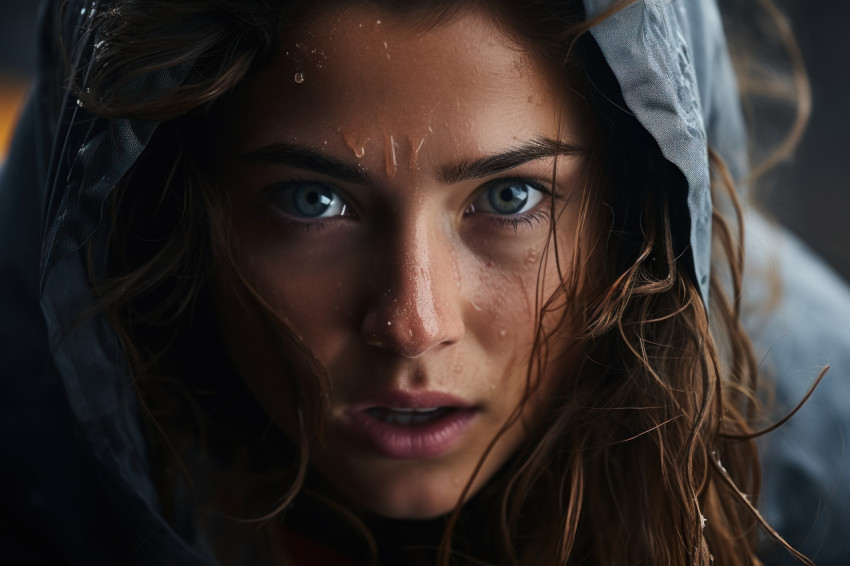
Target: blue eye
(508, 197)
(308, 200)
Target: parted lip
(407, 399)
(398, 438)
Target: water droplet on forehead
(299, 78)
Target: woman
(403, 282)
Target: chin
(402, 490)
(411, 505)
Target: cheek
(312, 289)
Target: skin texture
(416, 286)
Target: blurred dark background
(810, 193)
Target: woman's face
(391, 190)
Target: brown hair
(647, 453)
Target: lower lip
(416, 442)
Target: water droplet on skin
(475, 306)
(389, 323)
(390, 157)
(378, 22)
(355, 144)
(503, 333)
(299, 78)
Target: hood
(70, 389)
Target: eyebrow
(302, 157)
(536, 148)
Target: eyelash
(305, 225)
(531, 219)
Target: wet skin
(371, 214)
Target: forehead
(366, 70)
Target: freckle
(518, 68)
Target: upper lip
(400, 399)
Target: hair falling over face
(645, 454)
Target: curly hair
(646, 454)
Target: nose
(416, 294)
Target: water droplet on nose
(299, 78)
(360, 152)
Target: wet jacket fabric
(76, 486)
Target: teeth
(407, 417)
